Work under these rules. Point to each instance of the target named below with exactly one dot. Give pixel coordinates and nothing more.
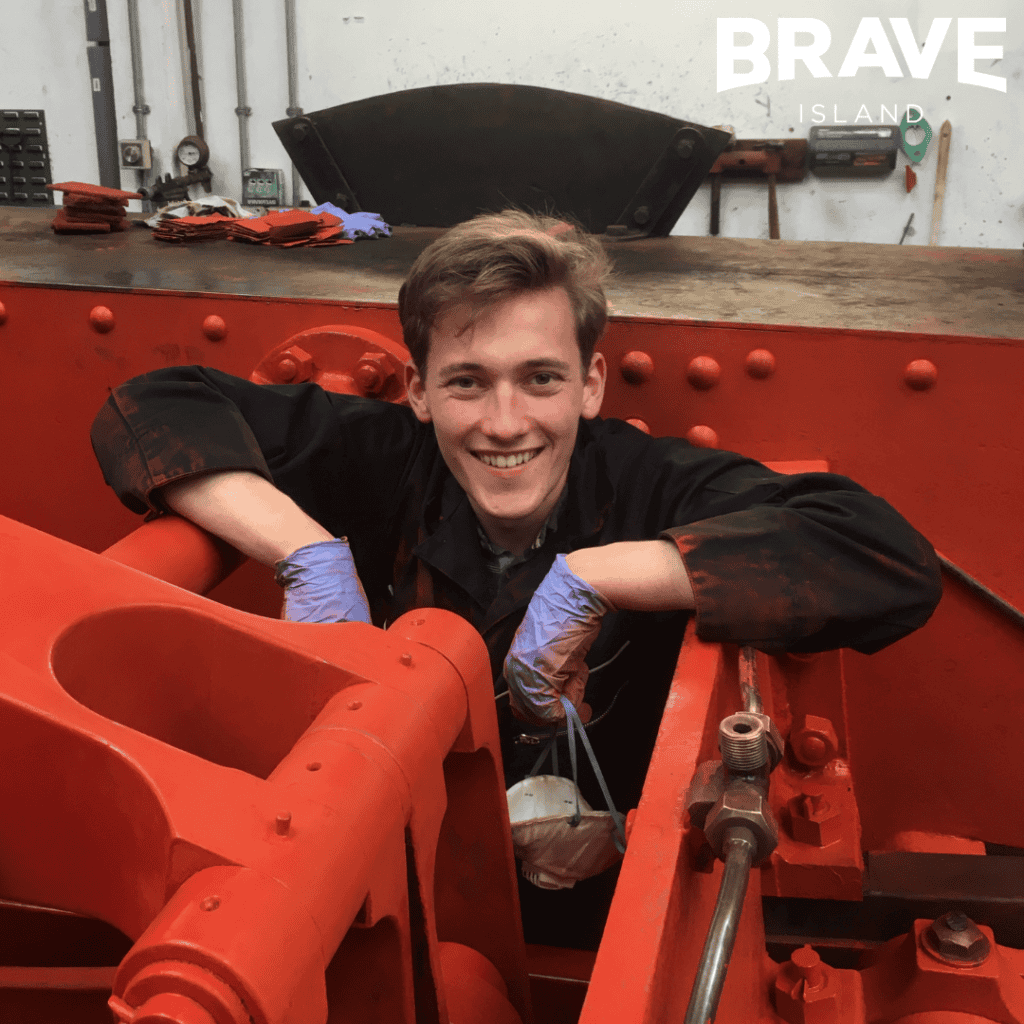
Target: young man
(502, 496)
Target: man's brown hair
(496, 256)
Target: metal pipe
(243, 110)
(101, 78)
(294, 110)
(979, 589)
(748, 681)
(140, 108)
(714, 961)
(193, 67)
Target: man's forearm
(247, 511)
(646, 575)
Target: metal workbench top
(975, 292)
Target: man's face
(505, 396)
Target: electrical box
(135, 154)
(262, 186)
(857, 151)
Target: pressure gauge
(193, 152)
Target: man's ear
(593, 386)
(417, 393)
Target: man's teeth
(507, 461)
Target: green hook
(915, 153)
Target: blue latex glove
(545, 660)
(321, 584)
(357, 225)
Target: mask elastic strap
(573, 723)
(551, 748)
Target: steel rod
(293, 83)
(135, 44)
(748, 681)
(242, 110)
(977, 587)
(714, 961)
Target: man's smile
(509, 460)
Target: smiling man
(577, 546)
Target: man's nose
(506, 413)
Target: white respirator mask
(555, 832)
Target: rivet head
(702, 436)
(703, 372)
(354, 705)
(760, 364)
(406, 659)
(642, 214)
(210, 903)
(639, 424)
(287, 368)
(102, 319)
(215, 328)
(921, 374)
(636, 367)
(3, 314)
(283, 822)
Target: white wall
(658, 54)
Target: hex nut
(705, 790)
(813, 821)
(813, 741)
(956, 939)
(743, 804)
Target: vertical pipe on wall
(186, 77)
(293, 84)
(102, 82)
(193, 68)
(140, 107)
(243, 110)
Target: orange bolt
(703, 372)
(215, 328)
(639, 424)
(702, 436)
(636, 367)
(760, 363)
(921, 374)
(406, 659)
(102, 319)
(283, 823)
(287, 368)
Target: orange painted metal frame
(929, 422)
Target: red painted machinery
(215, 816)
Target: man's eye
(543, 379)
(462, 383)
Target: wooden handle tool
(940, 180)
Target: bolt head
(813, 741)
(684, 149)
(957, 940)
(642, 214)
(300, 131)
(215, 328)
(102, 319)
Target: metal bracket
(670, 184)
(321, 172)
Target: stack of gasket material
(288, 228)
(192, 229)
(91, 209)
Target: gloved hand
(321, 584)
(357, 225)
(546, 656)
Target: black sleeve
(804, 562)
(341, 458)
